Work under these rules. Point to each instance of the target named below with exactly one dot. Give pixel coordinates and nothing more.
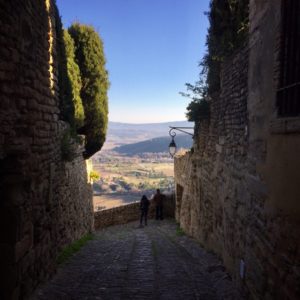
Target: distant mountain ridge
(155, 145)
(119, 134)
(154, 129)
(171, 123)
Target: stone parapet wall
(45, 202)
(131, 212)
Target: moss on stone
(71, 249)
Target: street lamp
(172, 133)
(172, 146)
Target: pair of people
(145, 203)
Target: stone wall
(238, 193)
(131, 212)
(45, 202)
(218, 158)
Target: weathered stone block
(23, 246)
(222, 140)
(256, 186)
(219, 148)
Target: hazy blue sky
(152, 48)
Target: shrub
(198, 110)
(94, 175)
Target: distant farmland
(139, 165)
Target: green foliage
(83, 84)
(197, 110)
(228, 30)
(179, 231)
(94, 175)
(70, 250)
(91, 61)
(73, 73)
(66, 104)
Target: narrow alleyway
(154, 262)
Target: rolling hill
(119, 134)
(155, 145)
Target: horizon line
(138, 123)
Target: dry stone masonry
(131, 212)
(238, 191)
(45, 202)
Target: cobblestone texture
(153, 262)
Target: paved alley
(153, 262)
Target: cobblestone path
(153, 262)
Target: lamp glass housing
(172, 148)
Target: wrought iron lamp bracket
(172, 133)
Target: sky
(152, 49)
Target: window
(288, 94)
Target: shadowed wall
(45, 202)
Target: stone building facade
(45, 201)
(238, 191)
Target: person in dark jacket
(144, 205)
(158, 199)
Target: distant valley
(135, 161)
(120, 134)
(155, 145)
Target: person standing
(144, 205)
(158, 200)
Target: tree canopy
(66, 104)
(90, 58)
(75, 80)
